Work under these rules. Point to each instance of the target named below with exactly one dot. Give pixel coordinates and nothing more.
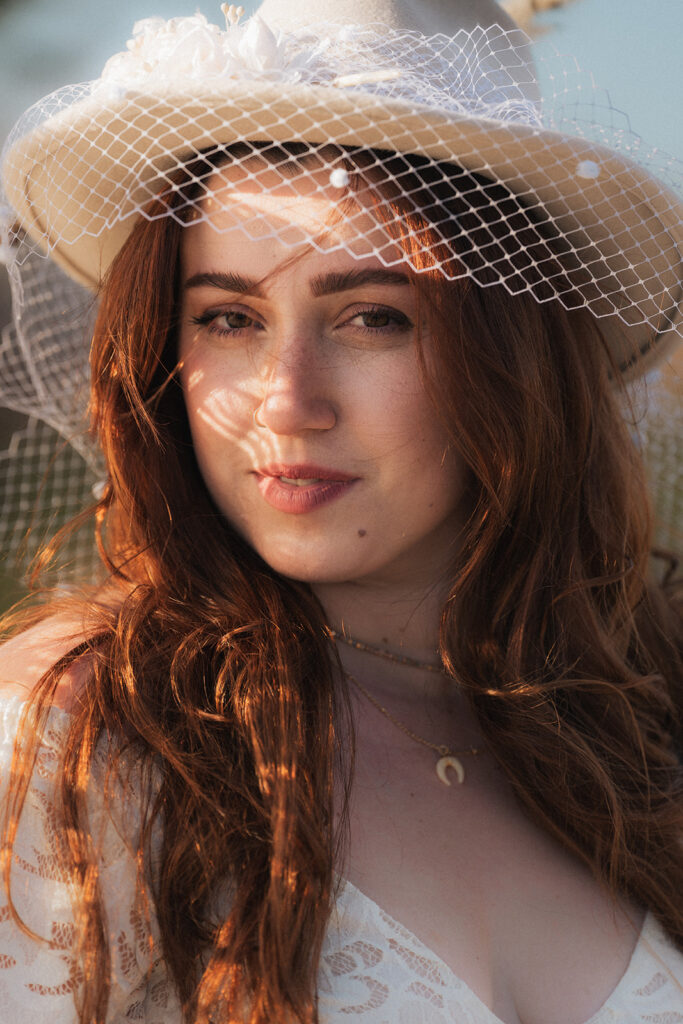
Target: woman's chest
(375, 970)
(517, 919)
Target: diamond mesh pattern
(44, 353)
(556, 196)
(44, 483)
(100, 152)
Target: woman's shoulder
(37, 980)
(46, 725)
(28, 655)
(42, 642)
(38, 645)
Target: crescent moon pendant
(444, 763)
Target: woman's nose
(296, 392)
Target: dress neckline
(14, 703)
(600, 1015)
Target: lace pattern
(373, 969)
(38, 979)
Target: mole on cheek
(361, 533)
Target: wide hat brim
(79, 180)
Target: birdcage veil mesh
(555, 196)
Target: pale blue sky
(632, 47)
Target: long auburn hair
(214, 674)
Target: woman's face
(310, 423)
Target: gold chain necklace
(447, 758)
(379, 652)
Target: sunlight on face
(295, 205)
(309, 419)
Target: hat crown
(510, 62)
(426, 16)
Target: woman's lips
(302, 488)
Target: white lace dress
(373, 970)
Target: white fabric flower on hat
(192, 50)
(472, 74)
(180, 48)
(254, 47)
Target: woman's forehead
(265, 210)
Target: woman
(376, 643)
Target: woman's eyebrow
(328, 284)
(227, 282)
(321, 284)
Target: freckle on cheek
(361, 533)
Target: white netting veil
(554, 196)
(83, 164)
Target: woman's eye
(380, 320)
(230, 321)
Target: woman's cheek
(216, 398)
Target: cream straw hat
(449, 82)
(449, 79)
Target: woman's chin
(313, 563)
(314, 571)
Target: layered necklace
(447, 758)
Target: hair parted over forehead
(439, 215)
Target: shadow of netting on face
(44, 484)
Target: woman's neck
(391, 620)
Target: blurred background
(632, 48)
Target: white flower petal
(258, 46)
